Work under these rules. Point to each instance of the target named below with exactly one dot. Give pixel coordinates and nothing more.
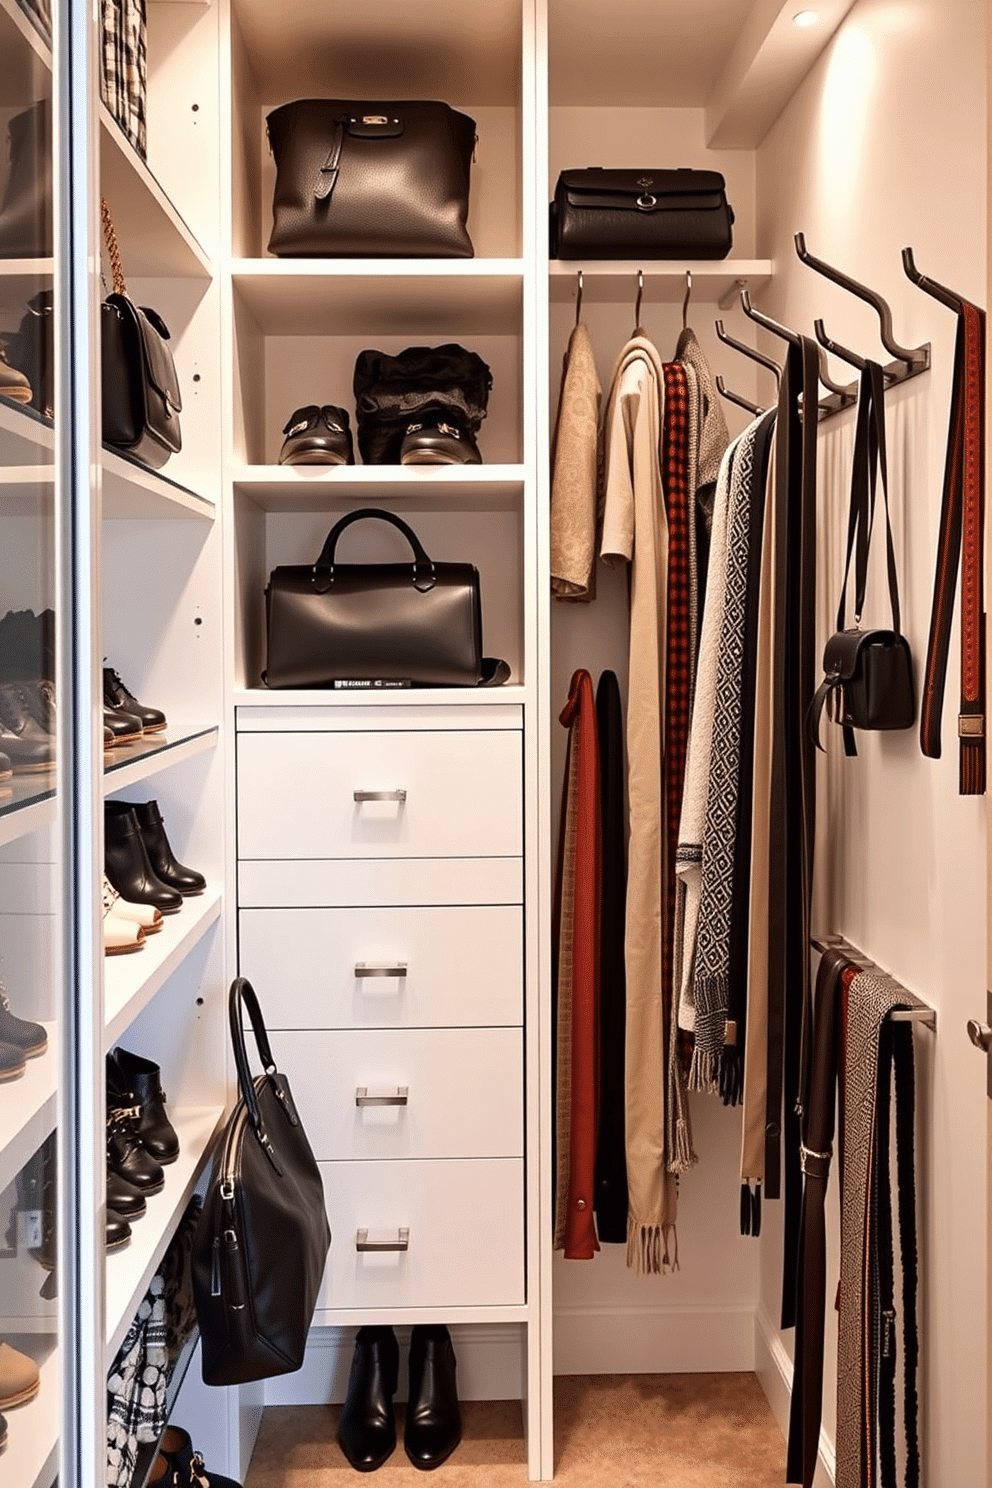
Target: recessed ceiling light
(805, 17)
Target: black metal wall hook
(792, 337)
(749, 351)
(930, 286)
(736, 398)
(917, 359)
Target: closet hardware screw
(199, 1002)
(196, 376)
(196, 108)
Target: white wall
(883, 146)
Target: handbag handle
(423, 567)
(868, 465)
(113, 249)
(242, 996)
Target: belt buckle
(971, 725)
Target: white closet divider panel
(130, 1270)
(132, 980)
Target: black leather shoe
(438, 439)
(117, 696)
(23, 740)
(123, 1197)
(38, 698)
(19, 1033)
(117, 1232)
(367, 1428)
(125, 728)
(143, 1079)
(433, 1419)
(127, 864)
(125, 1154)
(160, 855)
(317, 436)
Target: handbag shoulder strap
(113, 250)
(869, 466)
(242, 996)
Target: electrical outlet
(30, 1229)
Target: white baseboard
(773, 1367)
(490, 1365)
(653, 1340)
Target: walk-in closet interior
(381, 864)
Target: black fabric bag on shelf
(392, 390)
(416, 624)
(262, 1239)
(389, 180)
(602, 213)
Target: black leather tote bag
(262, 1237)
(650, 214)
(389, 180)
(416, 623)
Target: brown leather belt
(962, 527)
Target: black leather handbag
(868, 682)
(390, 180)
(141, 397)
(262, 1238)
(651, 214)
(416, 623)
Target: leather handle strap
(869, 466)
(423, 566)
(328, 174)
(242, 997)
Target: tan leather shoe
(19, 1377)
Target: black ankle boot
(367, 1428)
(433, 1419)
(127, 864)
(160, 854)
(143, 1079)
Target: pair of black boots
(141, 1139)
(139, 861)
(367, 1428)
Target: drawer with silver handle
(408, 1093)
(424, 1234)
(384, 795)
(410, 966)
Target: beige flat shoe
(145, 915)
(119, 935)
(19, 1377)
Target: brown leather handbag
(414, 624)
(360, 179)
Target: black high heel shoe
(367, 1428)
(127, 864)
(433, 1418)
(163, 860)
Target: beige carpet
(624, 1431)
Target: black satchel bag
(360, 178)
(262, 1238)
(141, 397)
(649, 214)
(869, 673)
(414, 623)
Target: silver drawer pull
(363, 1243)
(365, 969)
(393, 795)
(401, 1098)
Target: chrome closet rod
(926, 1016)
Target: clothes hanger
(638, 328)
(578, 298)
(685, 302)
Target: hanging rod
(925, 1016)
(736, 398)
(749, 351)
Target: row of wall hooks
(925, 1016)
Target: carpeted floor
(624, 1431)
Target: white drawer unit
(410, 1092)
(381, 795)
(411, 967)
(424, 1234)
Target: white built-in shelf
(30, 1458)
(390, 697)
(132, 490)
(27, 1110)
(27, 802)
(387, 296)
(327, 1317)
(713, 282)
(155, 241)
(24, 434)
(289, 488)
(26, 489)
(25, 59)
(20, 281)
(130, 1270)
(132, 980)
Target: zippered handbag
(262, 1237)
(370, 178)
(602, 213)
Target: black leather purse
(360, 178)
(416, 623)
(262, 1238)
(868, 682)
(651, 214)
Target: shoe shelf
(27, 803)
(303, 488)
(129, 1270)
(25, 490)
(27, 1109)
(25, 57)
(385, 296)
(129, 764)
(132, 490)
(713, 283)
(155, 240)
(132, 980)
(509, 695)
(30, 1458)
(23, 432)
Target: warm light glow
(805, 18)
